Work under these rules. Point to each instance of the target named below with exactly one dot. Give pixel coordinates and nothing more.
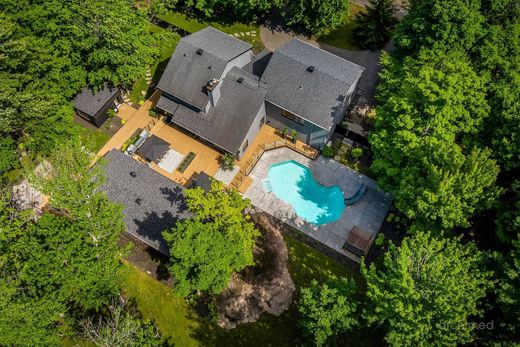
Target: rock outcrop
(265, 287)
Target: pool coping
(369, 213)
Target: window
(244, 146)
(292, 117)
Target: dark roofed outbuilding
(152, 203)
(153, 149)
(93, 105)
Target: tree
(120, 327)
(440, 23)
(328, 309)
(8, 155)
(217, 240)
(431, 109)
(27, 316)
(82, 240)
(426, 290)
(316, 16)
(374, 26)
(509, 287)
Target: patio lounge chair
(358, 241)
(357, 195)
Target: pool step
(267, 185)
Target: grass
(191, 25)
(180, 325)
(342, 36)
(98, 137)
(156, 69)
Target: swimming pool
(293, 183)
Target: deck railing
(257, 154)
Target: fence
(255, 157)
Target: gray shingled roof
(258, 63)
(153, 148)
(226, 124)
(90, 102)
(152, 203)
(314, 96)
(187, 72)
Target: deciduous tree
(328, 309)
(316, 16)
(217, 241)
(426, 291)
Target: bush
(356, 153)
(186, 162)
(111, 113)
(328, 152)
(227, 162)
(153, 113)
(380, 239)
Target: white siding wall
(253, 130)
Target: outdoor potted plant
(227, 162)
(294, 136)
(284, 132)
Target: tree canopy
(218, 240)
(316, 16)
(426, 290)
(52, 49)
(68, 259)
(374, 25)
(431, 108)
(328, 309)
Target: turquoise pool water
(293, 183)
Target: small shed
(93, 105)
(153, 149)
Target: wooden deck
(268, 138)
(206, 157)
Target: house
(216, 90)
(205, 92)
(152, 202)
(93, 105)
(309, 90)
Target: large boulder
(265, 287)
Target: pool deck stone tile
(369, 213)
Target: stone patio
(368, 214)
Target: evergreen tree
(374, 26)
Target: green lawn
(180, 325)
(156, 69)
(192, 25)
(342, 37)
(97, 136)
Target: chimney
(213, 91)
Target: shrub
(111, 113)
(227, 162)
(380, 239)
(153, 113)
(285, 131)
(186, 162)
(328, 152)
(294, 135)
(356, 152)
